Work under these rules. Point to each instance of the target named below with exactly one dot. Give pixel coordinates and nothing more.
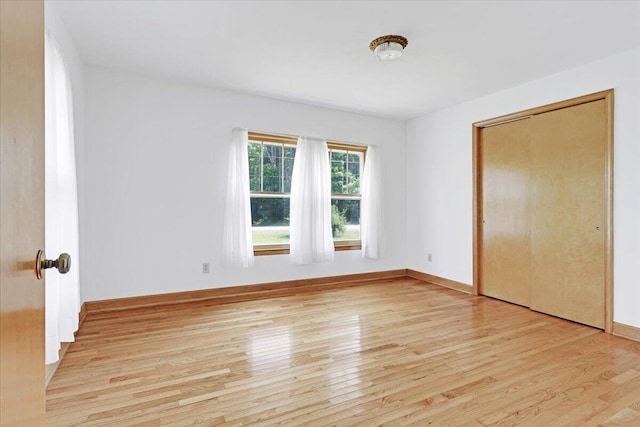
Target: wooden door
(568, 223)
(505, 182)
(569, 208)
(22, 391)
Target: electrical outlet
(429, 258)
(205, 268)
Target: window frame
(340, 245)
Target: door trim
(607, 96)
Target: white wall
(439, 175)
(151, 177)
(155, 162)
(75, 68)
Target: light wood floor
(396, 352)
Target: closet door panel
(505, 254)
(568, 216)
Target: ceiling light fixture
(388, 48)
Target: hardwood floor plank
(392, 352)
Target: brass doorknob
(63, 263)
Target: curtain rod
(307, 136)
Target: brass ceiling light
(388, 48)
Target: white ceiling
(316, 52)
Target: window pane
(272, 168)
(355, 160)
(254, 165)
(338, 172)
(345, 219)
(289, 155)
(270, 220)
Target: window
(346, 168)
(270, 168)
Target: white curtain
(61, 205)
(311, 238)
(371, 212)
(237, 244)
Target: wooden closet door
(568, 217)
(505, 180)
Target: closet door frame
(607, 96)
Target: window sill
(342, 245)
